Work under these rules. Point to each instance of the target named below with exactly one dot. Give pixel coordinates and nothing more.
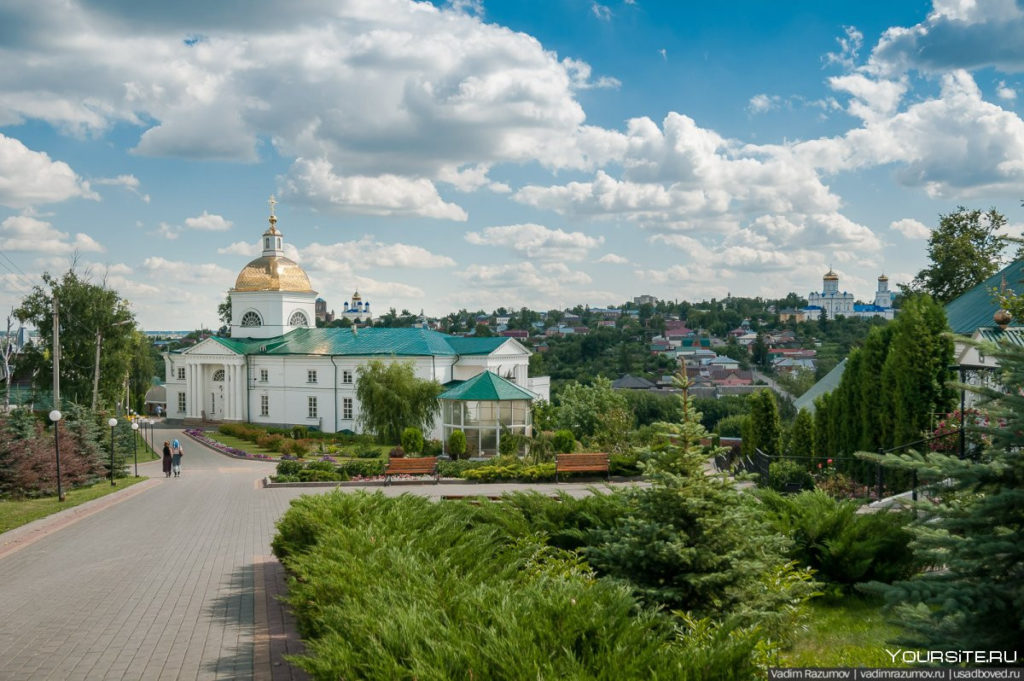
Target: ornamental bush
(412, 440)
(563, 441)
(364, 468)
(457, 444)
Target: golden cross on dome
(272, 202)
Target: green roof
(974, 309)
(827, 384)
(487, 386)
(408, 342)
(1013, 335)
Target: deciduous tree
(392, 398)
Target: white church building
(277, 369)
(832, 302)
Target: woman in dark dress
(167, 459)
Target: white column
(228, 387)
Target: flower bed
(200, 436)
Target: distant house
(645, 299)
(606, 324)
(514, 333)
(628, 382)
(725, 362)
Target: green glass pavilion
(484, 407)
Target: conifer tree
(801, 437)
(969, 531)
(766, 426)
(875, 407)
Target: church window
(181, 373)
(266, 243)
(263, 376)
(181, 402)
(311, 406)
(264, 405)
(346, 408)
(346, 376)
(311, 376)
(218, 375)
(251, 319)
(298, 319)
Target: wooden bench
(574, 463)
(424, 465)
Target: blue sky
(483, 154)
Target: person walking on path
(176, 454)
(167, 459)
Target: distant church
(833, 303)
(277, 369)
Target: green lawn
(17, 513)
(843, 632)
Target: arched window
(298, 318)
(218, 375)
(251, 319)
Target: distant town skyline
(469, 154)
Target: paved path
(174, 580)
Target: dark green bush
(455, 468)
(320, 466)
(289, 467)
(563, 441)
(366, 468)
(624, 464)
(457, 444)
(783, 473)
(843, 546)
(443, 588)
(367, 452)
(412, 440)
(432, 448)
(316, 475)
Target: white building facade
(276, 369)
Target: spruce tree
(969, 532)
(801, 437)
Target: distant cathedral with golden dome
(277, 369)
(830, 302)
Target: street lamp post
(112, 423)
(56, 416)
(135, 431)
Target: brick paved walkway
(174, 580)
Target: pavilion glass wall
(483, 420)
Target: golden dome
(273, 273)
(882, 277)
(831, 276)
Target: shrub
(288, 468)
(316, 475)
(456, 468)
(511, 471)
(321, 466)
(270, 442)
(457, 444)
(432, 448)
(299, 432)
(624, 464)
(396, 453)
(844, 547)
(786, 472)
(412, 440)
(367, 452)
(429, 573)
(364, 468)
(563, 441)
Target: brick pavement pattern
(175, 582)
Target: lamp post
(135, 431)
(112, 423)
(56, 416)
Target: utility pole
(56, 355)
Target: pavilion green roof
(1012, 335)
(487, 386)
(975, 308)
(407, 342)
(827, 384)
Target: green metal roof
(827, 384)
(468, 345)
(1013, 335)
(974, 309)
(487, 386)
(407, 342)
